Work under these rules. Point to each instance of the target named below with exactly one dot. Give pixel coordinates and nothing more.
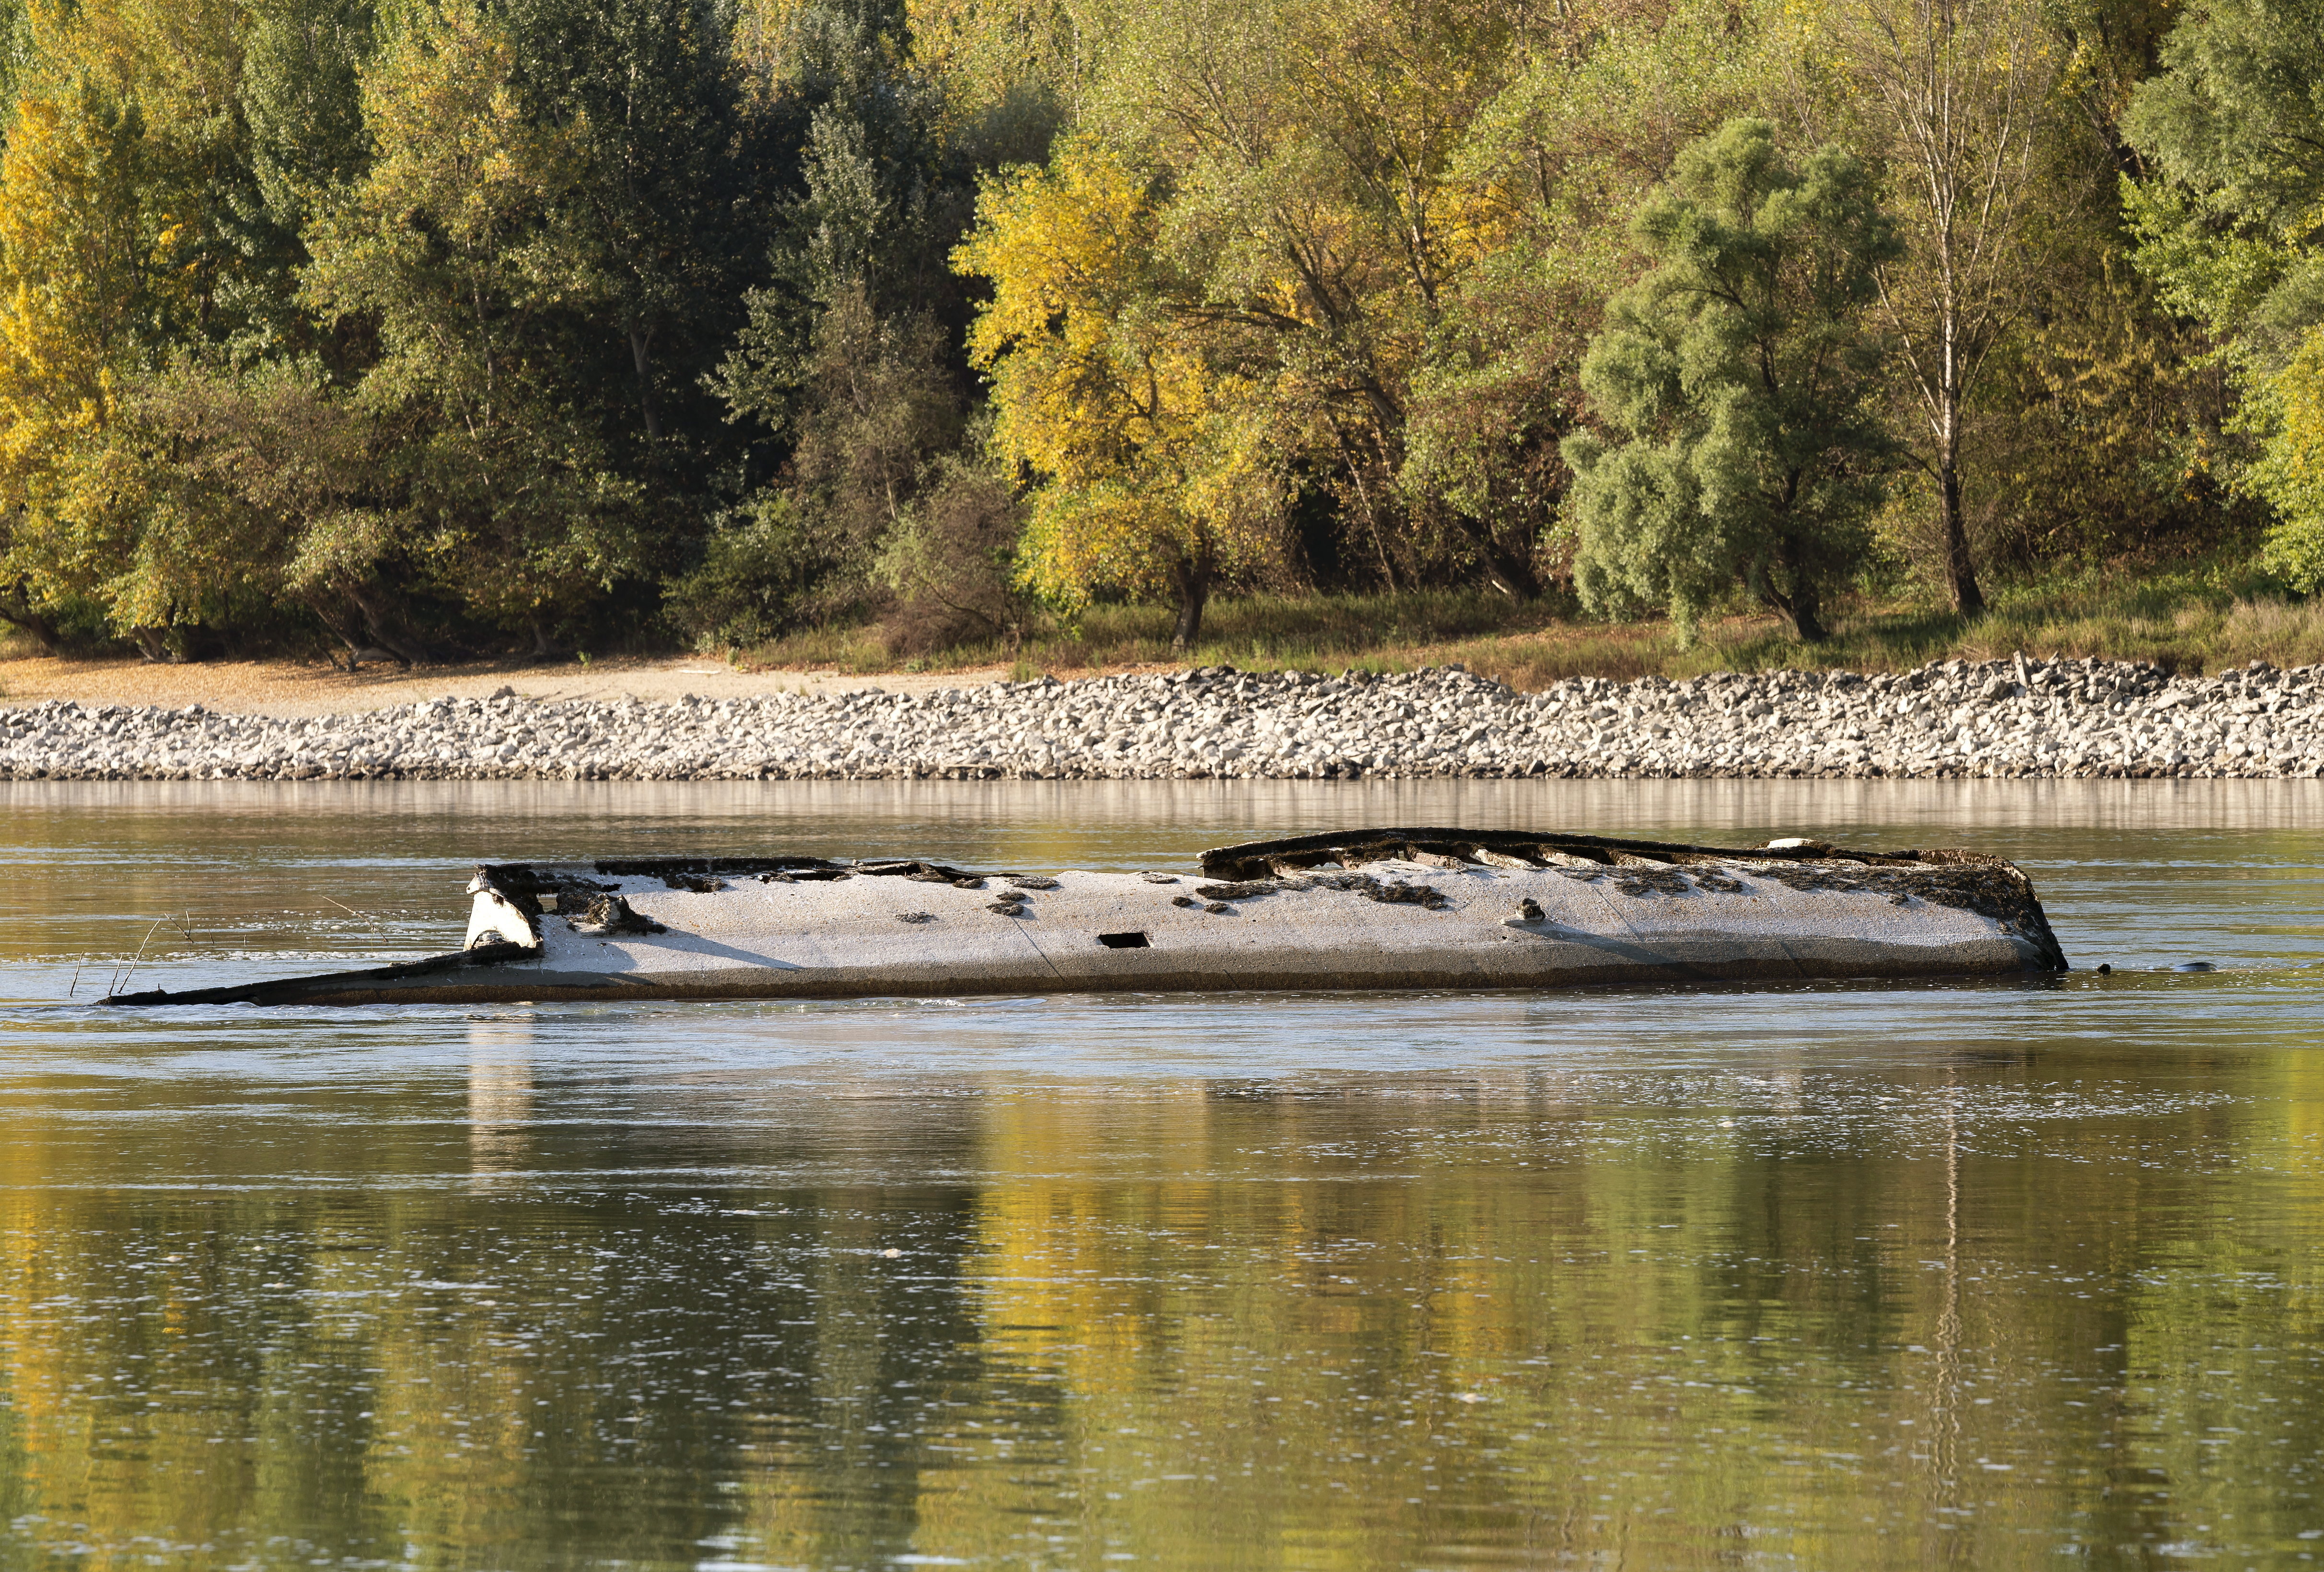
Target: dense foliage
(1739, 372)
(425, 327)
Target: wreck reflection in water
(1842, 1275)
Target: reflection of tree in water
(1362, 1318)
(500, 1093)
(1945, 1386)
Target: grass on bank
(2198, 619)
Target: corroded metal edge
(1253, 859)
(298, 990)
(483, 982)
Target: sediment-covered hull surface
(1389, 908)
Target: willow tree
(1547, 173)
(1736, 377)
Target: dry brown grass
(2188, 621)
(2195, 619)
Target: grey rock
(1997, 719)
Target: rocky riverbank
(2016, 718)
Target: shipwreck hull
(1367, 909)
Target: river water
(1790, 1276)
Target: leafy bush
(757, 568)
(951, 562)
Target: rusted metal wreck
(1391, 908)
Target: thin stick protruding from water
(124, 980)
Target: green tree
(301, 98)
(1497, 392)
(850, 364)
(267, 484)
(880, 403)
(2095, 430)
(2234, 231)
(1549, 170)
(950, 563)
(659, 209)
(874, 405)
(1736, 374)
(453, 250)
(862, 220)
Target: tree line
(435, 326)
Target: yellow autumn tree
(75, 250)
(985, 54)
(1313, 153)
(2290, 406)
(1154, 471)
(112, 251)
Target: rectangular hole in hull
(1122, 940)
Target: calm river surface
(1819, 1276)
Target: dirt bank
(289, 689)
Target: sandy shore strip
(292, 688)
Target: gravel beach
(2016, 718)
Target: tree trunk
(1807, 618)
(339, 635)
(1963, 86)
(1192, 575)
(1960, 568)
(1371, 515)
(17, 614)
(1801, 606)
(1504, 570)
(384, 624)
(641, 356)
